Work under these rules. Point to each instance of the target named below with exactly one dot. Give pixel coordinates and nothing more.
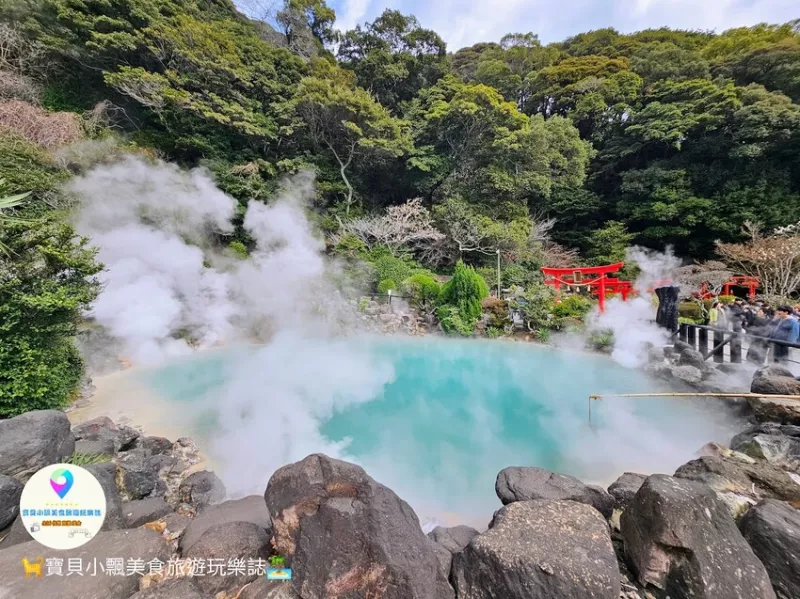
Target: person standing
(717, 317)
(757, 348)
(786, 329)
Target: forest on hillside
(560, 153)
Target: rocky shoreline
(724, 526)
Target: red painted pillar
(625, 292)
(601, 294)
(752, 293)
(726, 290)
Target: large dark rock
(248, 509)
(32, 441)
(153, 445)
(105, 475)
(137, 473)
(775, 380)
(268, 589)
(232, 540)
(777, 444)
(547, 549)
(740, 483)
(348, 536)
(773, 530)
(692, 357)
(138, 543)
(101, 435)
(201, 489)
(177, 588)
(680, 538)
(691, 375)
(624, 488)
(15, 534)
(10, 492)
(527, 483)
(142, 511)
(449, 541)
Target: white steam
(633, 321)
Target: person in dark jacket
(757, 348)
(787, 329)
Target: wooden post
(702, 341)
(601, 303)
(736, 342)
(691, 335)
(719, 352)
(684, 332)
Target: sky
(466, 22)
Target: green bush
(387, 285)
(423, 291)
(84, 459)
(573, 307)
(452, 322)
(238, 248)
(536, 306)
(689, 310)
(394, 269)
(497, 311)
(465, 291)
(350, 246)
(727, 299)
(602, 340)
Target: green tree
(462, 295)
(349, 124)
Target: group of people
(762, 323)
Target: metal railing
(698, 336)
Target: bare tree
(774, 259)
(710, 276)
(403, 229)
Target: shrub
(395, 269)
(573, 306)
(84, 459)
(47, 129)
(536, 306)
(602, 340)
(423, 291)
(727, 299)
(238, 248)
(497, 311)
(350, 246)
(452, 323)
(387, 285)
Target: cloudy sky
(465, 22)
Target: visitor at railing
(760, 327)
(786, 328)
(717, 317)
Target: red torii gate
(594, 277)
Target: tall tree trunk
(342, 168)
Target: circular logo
(63, 506)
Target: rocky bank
(723, 526)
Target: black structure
(667, 315)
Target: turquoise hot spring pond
(434, 419)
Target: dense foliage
(515, 153)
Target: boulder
(526, 483)
(449, 541)
(740, 484)
(10, 492)
(231, 540)
(773, 530)
(268, 589)
(624, 488)
(248, 509)
(14, 535)
(32, 441)
(346, 535)
(692, 357)
(176, 588)
(138, 543)
(775, 380)
(137, 473)
(153, 445)
(779, 445)
(454, 538)
(101, 435)
(142, 511)
(105, 475)
(660, 370)
(688, 374)
(717, 450)
(680, 538)
(201, 489)
(552, 549)
(767, 409)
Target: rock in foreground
(527, 483)
(547, 549)
(248, 509)
(10, 492)
(125, 544)
(680, 538)
(34, 440)
(624, 488)
(347, 536)
(773, 530)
